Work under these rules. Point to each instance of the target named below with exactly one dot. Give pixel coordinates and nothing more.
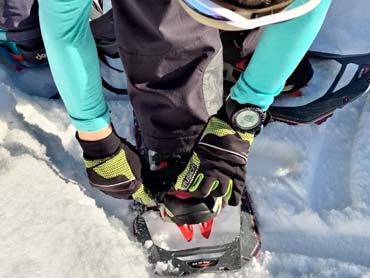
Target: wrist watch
(245, 117)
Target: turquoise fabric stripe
(74, 61)
(10, 46)
(279, 51)
(2, 35)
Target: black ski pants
(174, 71)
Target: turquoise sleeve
(74, 61)
(279, 51)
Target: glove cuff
(100, 149)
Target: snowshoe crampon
(227, 243)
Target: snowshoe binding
(210, 244)
(185, 235)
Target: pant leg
(174, 70)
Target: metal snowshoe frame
(322, 108)
(230, 256)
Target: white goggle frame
(249, 20)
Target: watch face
(247, 119)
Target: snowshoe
(346, 79)
(185, 235)
(320, 84)
(226, 242)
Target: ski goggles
(226, 16)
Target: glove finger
(205, 188)
(240, 172)
(221, 172)
(225, 175)
(236, 194)
(225, 183)
(221, 169)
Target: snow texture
(335, 36)
(310, 185)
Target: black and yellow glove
(217, 166)
(114, 167)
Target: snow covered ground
(310, 184)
